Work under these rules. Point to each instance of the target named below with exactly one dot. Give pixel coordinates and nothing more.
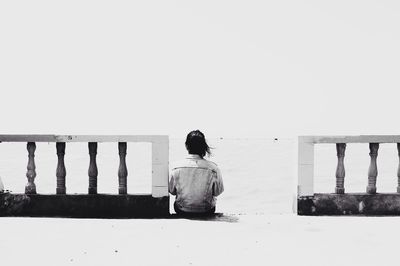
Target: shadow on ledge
(216, 217)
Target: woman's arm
(172, 182)
(218, 185)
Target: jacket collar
(193, 156)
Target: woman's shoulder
(187, 162)
(211, 164)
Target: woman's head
(196, 144)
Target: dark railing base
(83, 206)
(349, 204)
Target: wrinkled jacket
(196, 182)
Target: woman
(195, 181)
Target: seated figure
(195, 181)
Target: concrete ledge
(83, 206)
(349, 204)
(83, 138)
(351, 139)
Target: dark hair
(196, 144)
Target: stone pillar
(122, 170)
(30, 188)
(340, 171)
(373, 168)
(92, 172)
(398, 169)
(61, 172)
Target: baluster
(30, 188)
(340, 172)
(92, 172)
(373, 168)
(122, 170)
(398, 169)
(61, 172)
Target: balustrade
(373, 168)
(340, 203)
(159, 160)
(340, 172)
(122, 170)
(61, 171)
(306, 160)
(92, 172)
(30, 188)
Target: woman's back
(196, 182)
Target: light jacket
(196, 182)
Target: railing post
(373, 169)
(61, 172)
(122, 170)
(92, 172)
(159, 168)
(30, 188)
(340, 171)
(398, 169)
(305, 184)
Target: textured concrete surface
(349, 204)
(83, 205)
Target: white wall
(230, 68)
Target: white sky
(229, 68)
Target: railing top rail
(351, 139)
(83, 138)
